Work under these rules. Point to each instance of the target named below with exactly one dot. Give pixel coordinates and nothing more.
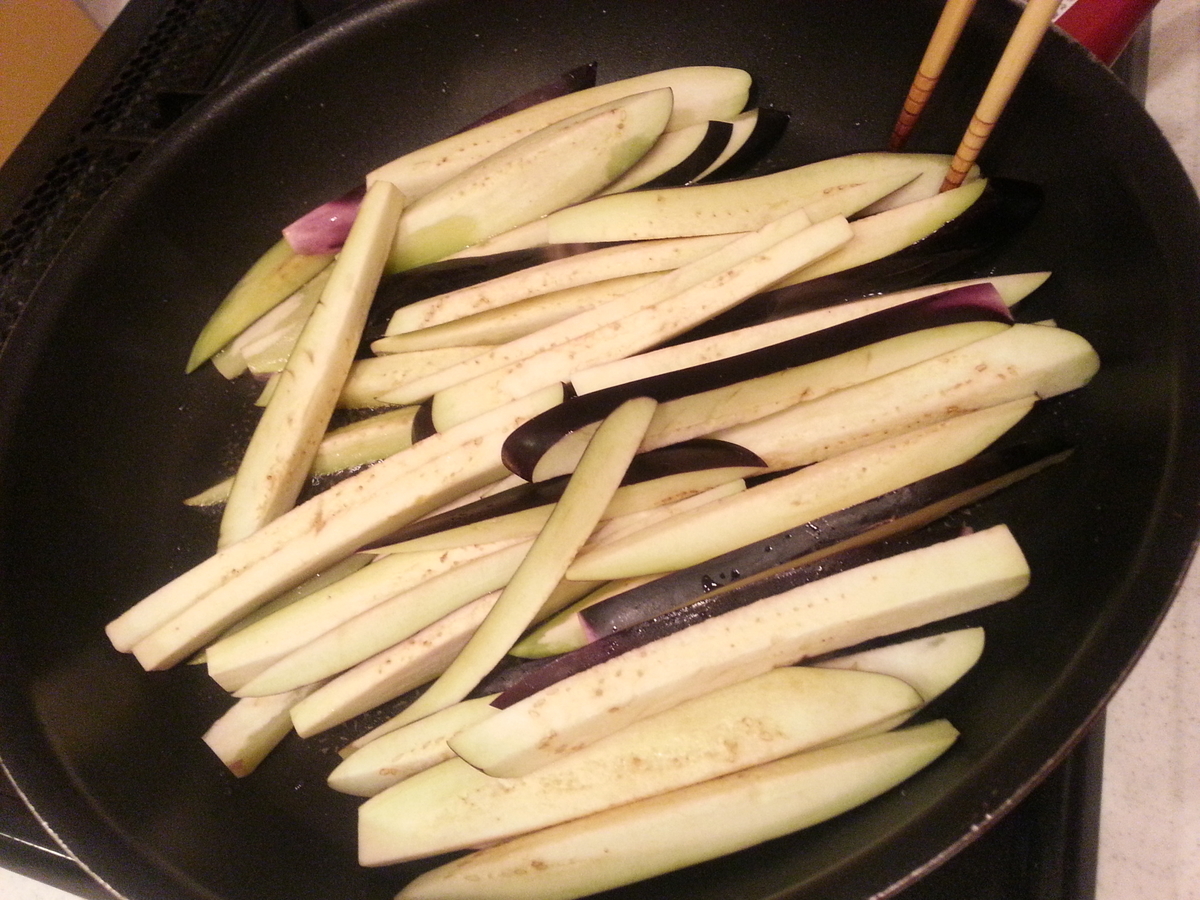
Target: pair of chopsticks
(1026, 37)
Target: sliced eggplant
(357, 444)
(787, 710)
(552, 168)
(397, 752)
(527, 444)
(559, 271)
(324, 229)
(669, 285)
(561, 633)
(1012, 288)
(838, 181)
(809, 492)
(632, 505)
(896, 512)
(755, 132)
(402, 668)
(579, 78)
(393, 672)
(274, 277)
(251, 728)
(711, 603)
(375, 375)
(526, 596)
(392, 618)
(399, 290)
(930, 664)
(264, 345)
(727, 407)
(236, 658)
(512, 321)
(642, 324)
(277, 461)
(719, 208)
(677, 158)
(686, 595)
(737, 633)
(699, 93)
(1004, 209)
(1021, 361)
(689, 456)
(180, 617)
(632, 842)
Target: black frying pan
(102, 434)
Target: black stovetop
(159, 58)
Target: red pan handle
(1104, 26)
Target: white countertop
(1150, 807)
(1150, 814)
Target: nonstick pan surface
(103, 435)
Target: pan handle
(1103, 26)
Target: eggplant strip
(573, 520)
(281, 451)
(735, 634)
(316, 534)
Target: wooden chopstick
(1026, 37)
(945, 35)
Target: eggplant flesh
(979, 302)
(703, 154)
(403, 288)
(833, 543)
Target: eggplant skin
(715, 139)
(628, 620)
(896, 512)
(528, 443)
(768, 131)
(557, 668)
(422, 426)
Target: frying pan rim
(1184, 442)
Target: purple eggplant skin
(768, 130)
(903, 509)
(1003, 210)
(979, 302)
(781, 561)
(422, 426)
(716, 139)
(324, 229)
(733, 597)
(686, 456)
(570, 81)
